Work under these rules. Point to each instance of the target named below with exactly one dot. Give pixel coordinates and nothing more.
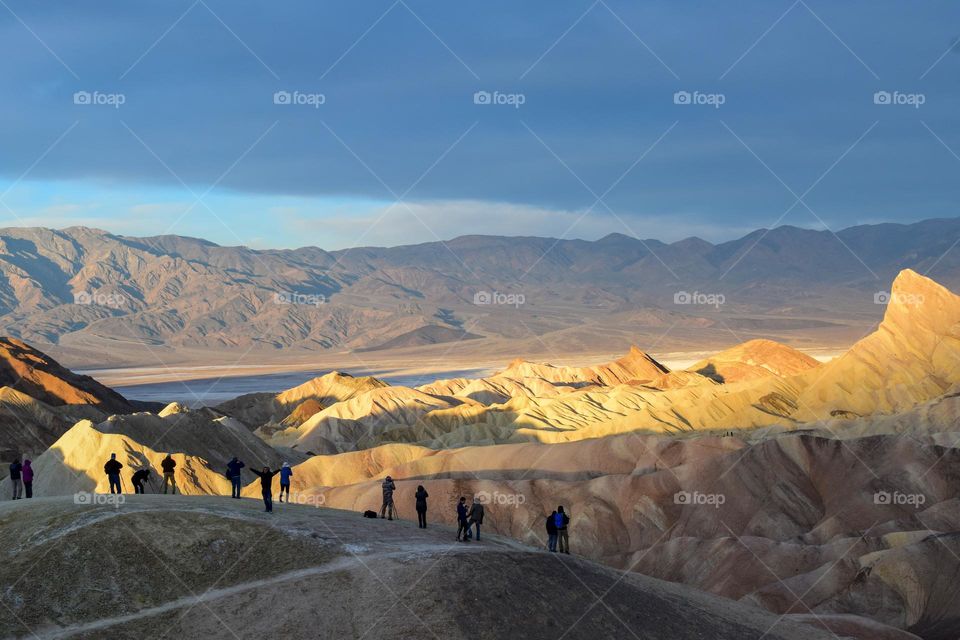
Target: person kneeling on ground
(388, 488)
(112, 469)
(462, 525)
(475, 517)
(285, 473)
(138, 478)
(421, 495)
(552, 531)
(266, 486)
(562, 520)
(168, 464)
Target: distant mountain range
(89, 290)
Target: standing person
(112, 469)
(475, 517)
(15, 470)
(562, 520)
(285, 473)
(421, 495)
(168, 464)
(552, 532)
(138, 478)
(388, 488)
(233, 472)
(266, 486)
(27, 472)
(462, 526)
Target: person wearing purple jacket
(27, 473)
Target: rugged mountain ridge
(87, 289)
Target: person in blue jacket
(233, 473)
(562, 520)
(285, 472)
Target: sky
(339, 124)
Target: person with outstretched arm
(552, 532)
(388, 487)
(15, 471)
(285, 472)
(475, 517)
(168, 464)
(266, 486)
(421, 496)
(562, 520)
(112, 469)
(233, 473)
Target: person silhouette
(112, 469)
(475, 516)
(233, 473)
(421, 497)
(462, 526)
(28, 478)
(16, 469)
(168, 464)
(388, 487)
(562, 519)
(266, 486)
(552, 531)
(285, 473)
(138, 478)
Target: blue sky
(200, 147)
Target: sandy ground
(207, 567)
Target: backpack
(369, 514)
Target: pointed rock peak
(917, 301)
(638, 356)
(909, 281)
(172, 409)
